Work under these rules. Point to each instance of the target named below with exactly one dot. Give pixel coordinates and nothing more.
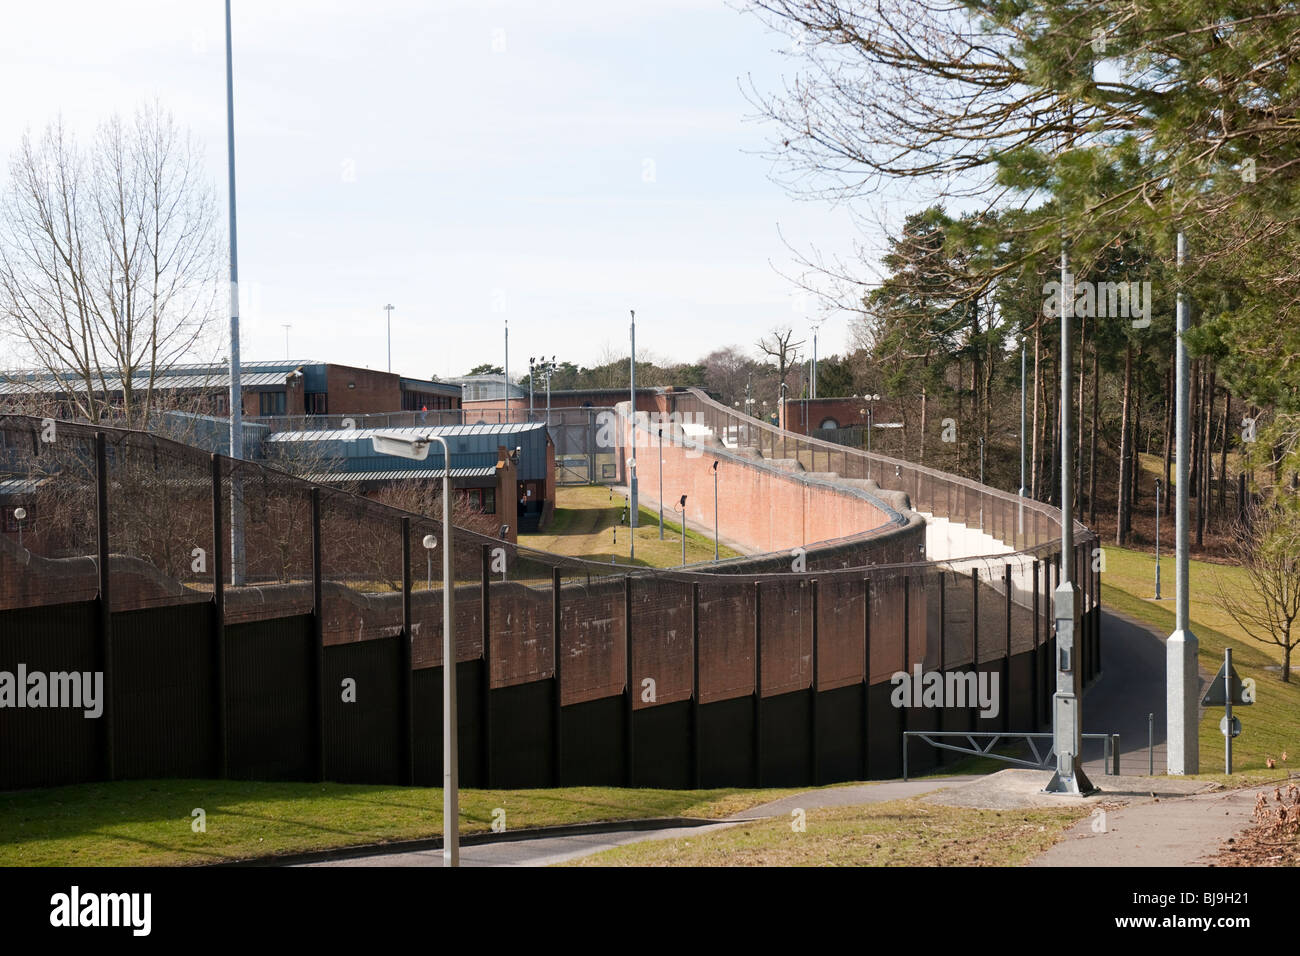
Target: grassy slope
(897, 833)
(1269, 726)
(149, 822)
(586, 517)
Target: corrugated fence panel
(48, 747)
(271, 718)
(164, 713)
(363, 720)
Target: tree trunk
(924, 409)
(1078, 437)
(1223, 453)
(1121, 515)
(1135, 468)
(1206, 424)
(1092, 454)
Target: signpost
(1225, 690)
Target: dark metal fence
(317, 653)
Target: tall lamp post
(531, 361)
(661, 482)
(633, 504)
(715, 512)
(236, 389)
(1181, 677)
(683, 510)
(1067, 717)
(389, 309)
(417, 449)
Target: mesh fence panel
(787, 636)
(271, 575)
(521, 611)
(593, 633)
(159, 522)
(726, 641)
(662, 645)
(47, 556)
(841, 601)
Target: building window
(221, 404)
(317, 404)
(829, 423)
(270, 403)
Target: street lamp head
(20, 513)
(715, 471)
(683, 502)
(430, 542)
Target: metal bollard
(1151, 745)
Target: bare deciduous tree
(777, 345)
(108, 259)
(1268, 549)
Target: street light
(683, 509)
(417, 449)
(389, 309)
(715, 513)
(430, 542)
(531, 361)
(19, 515)
(661, 482)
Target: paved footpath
(1182, 831)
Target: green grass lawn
(149, 822)
(1269, 726)
(897, 833)
(588, 523)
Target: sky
(553, 164)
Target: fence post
(758, 685)
(318, 634)
(866, 678)
(1035, 659)
(219, 628)
(404, 658)
(629, 730)
(485, 613)
(105, 606)
(907, 656)
(556, 667)
(1096, 618)
(975, 636)
(695, 686)
(812, 710)
(1006, 657)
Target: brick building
(270, 389)
(807, 416)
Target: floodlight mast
(1067, 719)
(417, 449)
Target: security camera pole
(417, 448)
(1181, 678)
(1067, 716)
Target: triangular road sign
(1214, 693)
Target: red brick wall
(758, 506)
(372, 391)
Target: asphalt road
(1132, 685)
